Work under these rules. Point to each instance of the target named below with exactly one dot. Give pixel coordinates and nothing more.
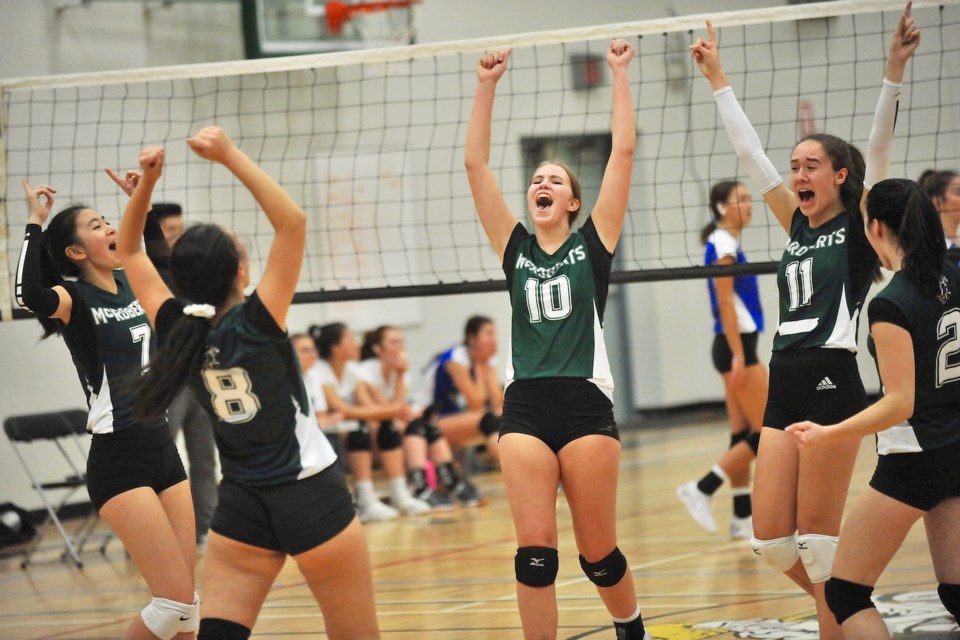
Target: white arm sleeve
(881, 135)
(746, 142)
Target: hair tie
(200, 311)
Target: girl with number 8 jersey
(282, 493)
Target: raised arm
(743, 136)
(497, 221)
(156, 244)
(903, 44)
(289, 222)
(148, 286)
(611, 206)
(32, 292)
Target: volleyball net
(370, 142)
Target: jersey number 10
(549, 299)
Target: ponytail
(203, 266)
(327, 337)
(719, 193)
(903, 206)
(170, 367)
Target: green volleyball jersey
(823, 279)
(249, 380)
(111, 341)
(934, 327)
(558, 302)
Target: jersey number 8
(233, 400)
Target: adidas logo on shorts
(825, 384)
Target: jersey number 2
(549, 299)
(233, 400)
(948, 327)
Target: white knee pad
(779, 553)
(166, 618)
(817, 553)
(193, 624)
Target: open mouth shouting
(543, 201)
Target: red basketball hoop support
(338, 13)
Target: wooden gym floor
(450, 575)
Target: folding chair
(58, 428)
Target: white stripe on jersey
(898, 439)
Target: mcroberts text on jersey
(838, 236)
(576, 254)
(103, 315)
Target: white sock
(720, 472)
(630, 618)
(365, 493)
(399, 490)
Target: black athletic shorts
(125, 460)
(923, 479)
(293, 517)
(723, 357)
(821, 385)
(557, 410)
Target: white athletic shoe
(741, 528)
(410, 506)
(376, 511)
(698, 505)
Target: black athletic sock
(417, 479)
(447, 475)
(632, 630)
(742, 505)
(710, 483)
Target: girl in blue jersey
(462, 392)
(738, 318)
(282, 493)
(135, 477)
(824, 276)
(558, 413)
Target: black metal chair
(60, 429)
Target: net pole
(6, 299)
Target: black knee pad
(536, 566)
(847, 598)
(360, 440)
(388, 436)
(433, 433)
(218, 629)
(489, 424)
(423, 429)
(738, 437)
(608, 571)
(416, 428)
(753, 441)
(950, 597)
